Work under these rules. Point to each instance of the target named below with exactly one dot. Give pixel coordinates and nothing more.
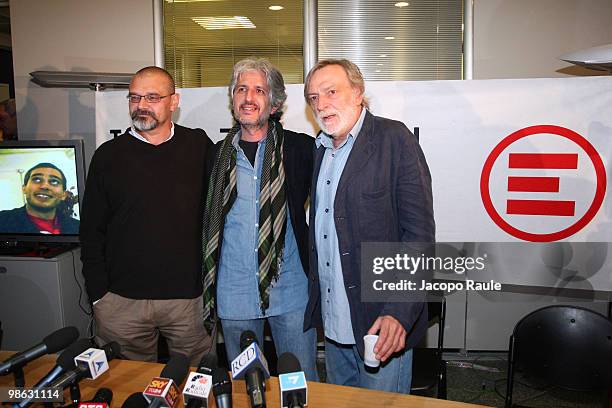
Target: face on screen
(44, 190)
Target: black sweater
(141, 223)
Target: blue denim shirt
(238, 274)
(334, 302)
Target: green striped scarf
(221, 195)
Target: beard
(252, 123)
(331, 130)
(142, 122)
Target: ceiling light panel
(224, 22)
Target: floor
(480, 378)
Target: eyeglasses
(151, 98)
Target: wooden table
(126, 377)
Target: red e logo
(543, 183)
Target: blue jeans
(288, 336)
(345, 367)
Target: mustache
(143, 112)
(326, 113)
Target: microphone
(101, 399)
(103, 395)
(135, 400)
(90, 364)
(53, 343)
(163, 391)
(292, 382)
(252, 365)
(207, 364)
(64, 362)
(222, 388)
(197, 387)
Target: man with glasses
(141, 228)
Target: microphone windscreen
(246, 338)
(221, 382)
(288, 363)
(136, 400)
(111, 350)
(209, 361)
(176, 369)
(103, 395)
(60, 339)
(66, 357)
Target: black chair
(428, 366)
(565, 346)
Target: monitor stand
(34, 249)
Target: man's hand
(392, 336)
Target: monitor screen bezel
(77, 145)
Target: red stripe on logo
(541, 207)
(543, 161)
(534, 184)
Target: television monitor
(41, 190)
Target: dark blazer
(298, 162)
(297, 159)
(17, 221)
(384, 195)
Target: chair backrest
(436, 311)
(567, 346)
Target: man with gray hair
(255, 232)
(370, 183)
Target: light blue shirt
(334, 302)
(238, 273)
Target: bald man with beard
(141, 228)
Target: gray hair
(353, 73)
(278, 96)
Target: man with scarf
(255, 232)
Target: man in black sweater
(141, 228)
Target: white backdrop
(460, 123)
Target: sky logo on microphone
(157, 387)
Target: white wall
(524, 38)
(73, 35)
